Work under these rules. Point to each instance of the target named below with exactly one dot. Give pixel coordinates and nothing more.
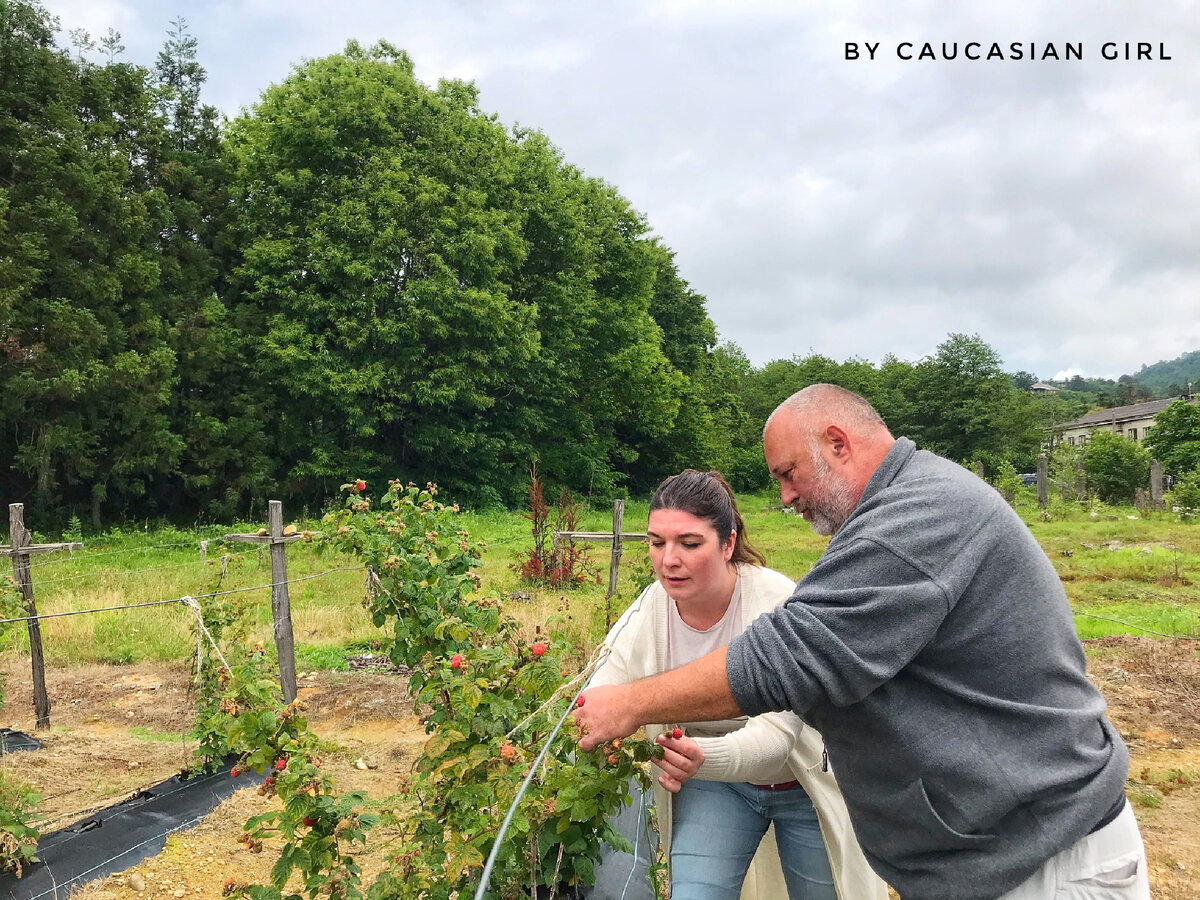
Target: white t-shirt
(686, 644)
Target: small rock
(135, 882)
(361, 763)
(179, 892)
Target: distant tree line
(363, 276)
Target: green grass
(142, 733)
(1142, 570)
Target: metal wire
(85, 555)
(112, 574)
(257, 587)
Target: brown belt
(782, 786)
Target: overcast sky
(852, 208)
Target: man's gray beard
(832, 508)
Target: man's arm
(697, 692)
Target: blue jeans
(717, 827)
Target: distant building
(1039, 387)
(1131, 421)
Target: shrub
(565, 565)
(1115, 467)
(1185, 496)
(1007, 481)
(18, 839)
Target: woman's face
(691, 564)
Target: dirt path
(118, 729)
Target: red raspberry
(538, 649)
(456, 661)
(280, 764)
(677, 733)
(579, 702)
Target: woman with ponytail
(723, 784)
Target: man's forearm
(697, 692)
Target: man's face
(807, 483)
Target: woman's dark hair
(706, 495)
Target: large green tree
(433, 295)
(962, 405)
(87, 370)
(1174, 438)
(216, 405)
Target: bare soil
(119, 729)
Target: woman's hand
(681, 760)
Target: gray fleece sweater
(933, 646)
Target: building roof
(1042, 386)
(1122, 413)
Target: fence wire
(183, 599)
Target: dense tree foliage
(1174, 438)
(433, 296)
(87, 370)
(1115, 467)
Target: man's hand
(604, 713)
(681, 760)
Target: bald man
(933, 647)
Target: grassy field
(1124, 572)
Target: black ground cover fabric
(122, 835)
(12, 741)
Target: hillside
(1179, 371)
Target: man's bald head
(822, 445)
(835, 403)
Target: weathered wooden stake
(1043, 480)
(20, 559)
(615, 559)
(1156, 484)
(617, 537)
(281, 607)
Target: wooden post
(20, 558)
(617, 536)
(1156, 484)
(1043, 480)
(281, 608)
(977, 467)
(615, 559)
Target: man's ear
(839, 441)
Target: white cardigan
(636, 648)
